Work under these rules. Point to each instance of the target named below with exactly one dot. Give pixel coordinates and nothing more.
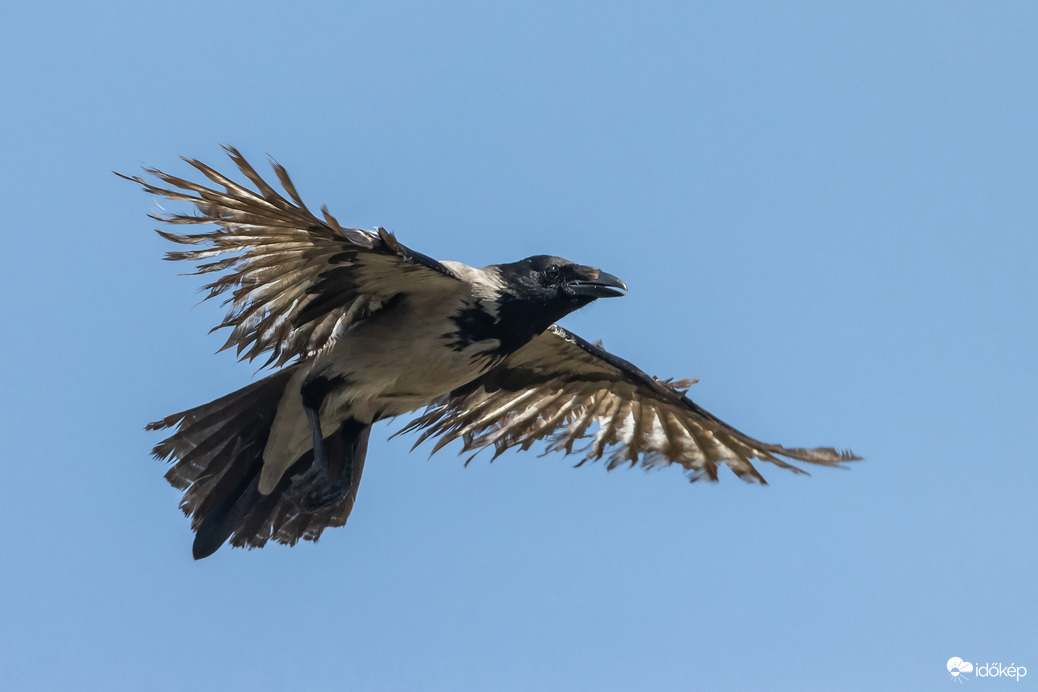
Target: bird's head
(540, 290)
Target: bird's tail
(217, 455)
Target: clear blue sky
(825, 211)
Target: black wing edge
(668, 391)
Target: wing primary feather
(271, 256)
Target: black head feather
(540, 290)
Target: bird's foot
(314, 489)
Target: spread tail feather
(217, 455)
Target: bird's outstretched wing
(293, 278)
(561, 388)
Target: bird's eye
(551, 273)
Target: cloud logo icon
(957, 666)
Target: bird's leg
(314, 392)
(333, 475)
(313, 417)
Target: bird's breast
(403, 359)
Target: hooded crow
(363, 328)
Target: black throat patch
(474, 323)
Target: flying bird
(363, 328)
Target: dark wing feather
(292, 278)
(561, 388)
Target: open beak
(598, 284)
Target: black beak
(598, 285)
